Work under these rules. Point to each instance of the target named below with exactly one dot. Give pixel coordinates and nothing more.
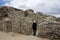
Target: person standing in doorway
(34, 26)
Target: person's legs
(34, 32)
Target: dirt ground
(14, 36)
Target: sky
(50, 7)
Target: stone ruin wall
(50, 30)
(20, 22)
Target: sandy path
(13, 36)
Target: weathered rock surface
(19, 21)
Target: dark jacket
(34, 26)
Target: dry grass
(14, 36)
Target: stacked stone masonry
(19, 21)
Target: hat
(34, 21)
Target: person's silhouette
(34, 26)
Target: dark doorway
(34, 26)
